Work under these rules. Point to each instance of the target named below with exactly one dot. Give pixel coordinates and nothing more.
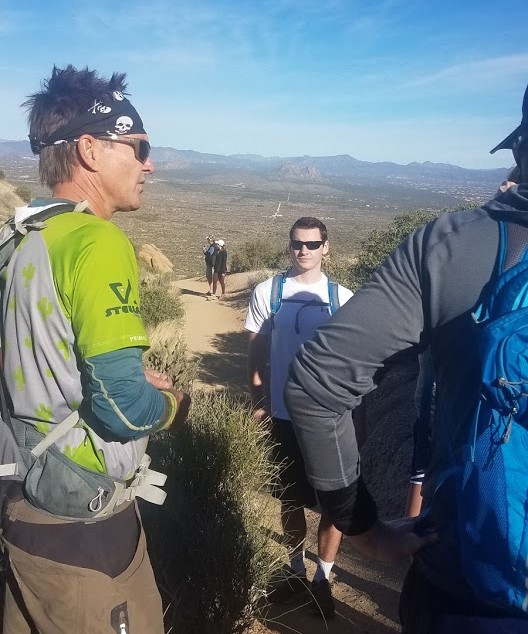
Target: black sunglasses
(311, 245)
(141, 147)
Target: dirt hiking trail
(366, 593)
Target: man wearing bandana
(72, 341)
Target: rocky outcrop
(154, 258)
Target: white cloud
(476, 75)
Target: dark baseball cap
(509, 141)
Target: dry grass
(211, 555)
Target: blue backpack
(491, 469)
(276, 300)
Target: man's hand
(389, 541)
(159, 380)
(260, 414)
(184, 402)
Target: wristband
(171, 409)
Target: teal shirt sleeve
(123, 405)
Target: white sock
(297, 564)
(323, 570)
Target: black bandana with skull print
(110, 115)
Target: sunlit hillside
(8, 200)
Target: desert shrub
(2, 175)
(24, 192)
(168, 354)
(259, 254)
(380, 242)
(211, 556)
(257, 277)
(337, 267)
(158, 301)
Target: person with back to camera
(283, 312)
(209, 251)
(457, 286)
(72, 344)
(220, 267)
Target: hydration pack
(276, 300)
(490, 470)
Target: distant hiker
(284, 311)
(209, 251)
(457, 285)
(72, 345)
(220, 267)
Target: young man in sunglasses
(72, 344)
(277, 328)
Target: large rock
(153, 257)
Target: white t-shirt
(293, 324)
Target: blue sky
(396, 80)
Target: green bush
(259, 254)
(24, 192)
(210, 553)
(380, 242)
(158, 302)
(337, 267)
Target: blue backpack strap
(277, 285)
(333, 296)
(276, 292)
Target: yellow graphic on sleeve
(86, 454)
(42, 427)
(45, 307)
(63, 346)
(44, 412)
(28, 342)
(18, 376)
(49, 373)
(12, 304)
(29, 273)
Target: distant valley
(240, 197)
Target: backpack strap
(23, 221)
(277, 286)
(333, 296)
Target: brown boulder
(153, 257)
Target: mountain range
(338, 170)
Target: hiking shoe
(322, 600)
(287, 587)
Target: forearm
(256, 370)
(123, 404)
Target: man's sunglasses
(141, 147)
(311, 245)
